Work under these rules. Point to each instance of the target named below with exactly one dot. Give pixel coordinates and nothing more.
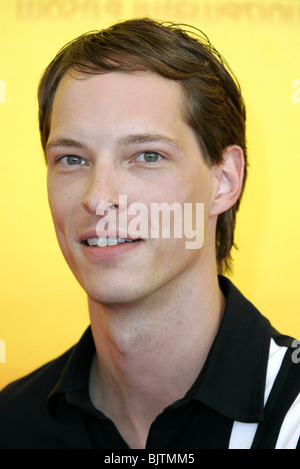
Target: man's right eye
(72, 160)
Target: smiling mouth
(103, 242)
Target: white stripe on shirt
(242, 434)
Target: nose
(102, 187)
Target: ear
(228, 179)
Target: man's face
(119, 134)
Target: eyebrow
(122, 141)
(64, 142)
(148, 138)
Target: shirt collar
(232, 381)
(73, 383)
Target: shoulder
(40, 379)
(24, 401)
(281, 426)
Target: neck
(141, 347)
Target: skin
(146, 298)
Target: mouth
(104, 242)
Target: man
(176, 358)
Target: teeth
(112, 241)
(102, 242)
(92, 241)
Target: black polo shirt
(51, 408)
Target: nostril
(97, 206)
(103, 206)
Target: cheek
(60, 204)
(56, 207)
(61, 211)
(168, 188)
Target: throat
(138, 354)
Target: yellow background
(42, 309)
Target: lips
(99, 248)
(103, 242)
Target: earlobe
(229, 177)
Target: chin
(113, 295)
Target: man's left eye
(149, 157)
(72, 160)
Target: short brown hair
(214, 106)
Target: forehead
(116, 97)
(139, 80)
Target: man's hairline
(183, 104)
